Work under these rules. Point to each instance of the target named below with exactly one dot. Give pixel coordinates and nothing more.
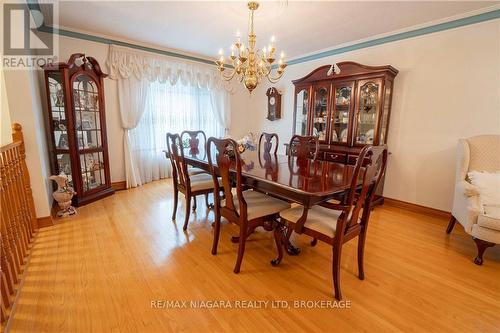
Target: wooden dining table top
(304, 181)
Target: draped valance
(137, 73)
(125, 62)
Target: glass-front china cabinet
(345, 110)
(77, 126)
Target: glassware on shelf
(95, 102)
(59, 97)
(92, 170)
(340, 119)
(320, 112)
(366, 112)
(64, 165)
(343, 96)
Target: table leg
(290, 248)
(278, 238)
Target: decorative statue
(63, 195)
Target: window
(169, 108)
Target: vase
(63, 195)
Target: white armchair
(480, 153)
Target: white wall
(5, 124)
(448, 87)
(25, 108)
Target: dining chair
(197, 143)
(338, 223)
(304, 146)
(191, 185)
(247, 209)
(268, 143)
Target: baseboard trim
(417, 208)
(46, 221)
(119, 186)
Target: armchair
(480, 153)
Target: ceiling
(202, 28)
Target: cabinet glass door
(385, 113)
(59, 124)
(320, 112)
(302, 109)
(339, 129)
(367, 111)
(88, 132)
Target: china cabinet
(77, 126)
(345, 110)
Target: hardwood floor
(100, 270)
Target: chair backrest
(368, 172)
(268, 144)
(194, 138)
(169, 138)
(304, 146)
(227, 161)
(480, 153)
(176, 152)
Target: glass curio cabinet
(346, 110)
(77, 126)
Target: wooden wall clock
(273, 104)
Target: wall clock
(273, 104)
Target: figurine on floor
(63, 195)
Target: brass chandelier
(250, 65)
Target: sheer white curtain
(170, 108)
(157, 95)
(132, 97)
(221, 106)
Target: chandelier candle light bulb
(251, 64)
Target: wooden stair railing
(18, 223)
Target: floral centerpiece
(246, 142)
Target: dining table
(299, 180)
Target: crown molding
(134, 45)
(397, 36)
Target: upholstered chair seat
(489, 222)
(320, 219)
(259, 204)
(195, 171)
(201, 181)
